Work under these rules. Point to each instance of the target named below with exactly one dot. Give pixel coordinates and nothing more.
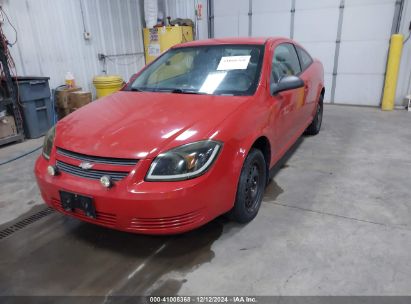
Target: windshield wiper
(181, 91)
(137, 90)
(177, 91)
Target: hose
(406, 39)
(20, 156)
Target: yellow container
(107, 84)
(160, 39)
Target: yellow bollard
(391, 78)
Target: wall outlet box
(87, 35)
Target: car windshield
(214, 70)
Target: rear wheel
(250, 190)
(315, 126)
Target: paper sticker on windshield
(233, 63)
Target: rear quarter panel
(317, 74)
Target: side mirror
(286, 83)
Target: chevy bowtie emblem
(86, 165)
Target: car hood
(141, 124)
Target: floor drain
(24, 223)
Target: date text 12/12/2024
(203, 299)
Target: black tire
(315, 126)
(250, 189)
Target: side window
(285, 62)
(305, 58)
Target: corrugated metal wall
(186, 9)
(180, 8)
(51, 43)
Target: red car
(190, 137)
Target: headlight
(48, 142)
(184, 162)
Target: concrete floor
(336, 220)
(18, 190)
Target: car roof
(234, 40)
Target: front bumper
(135, 205)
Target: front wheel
(315, 126)
(250, 190)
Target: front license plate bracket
(72, 201)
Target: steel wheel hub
(251, 189)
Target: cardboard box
(7, 126)
(62, 100)
(78, 99)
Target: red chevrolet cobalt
(190, 137)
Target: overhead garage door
(315, 27)
(231, 18)
(365, 39)
(350, 37)
(271, 20)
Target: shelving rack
(10, 101)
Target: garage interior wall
(350, 37)
(51, 42)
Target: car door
(285, 62)
(310, 92)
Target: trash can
(35, 103)
(107, 84)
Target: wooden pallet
(12, 138)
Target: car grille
(91, 174)
(116, 168)
(98, 159)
